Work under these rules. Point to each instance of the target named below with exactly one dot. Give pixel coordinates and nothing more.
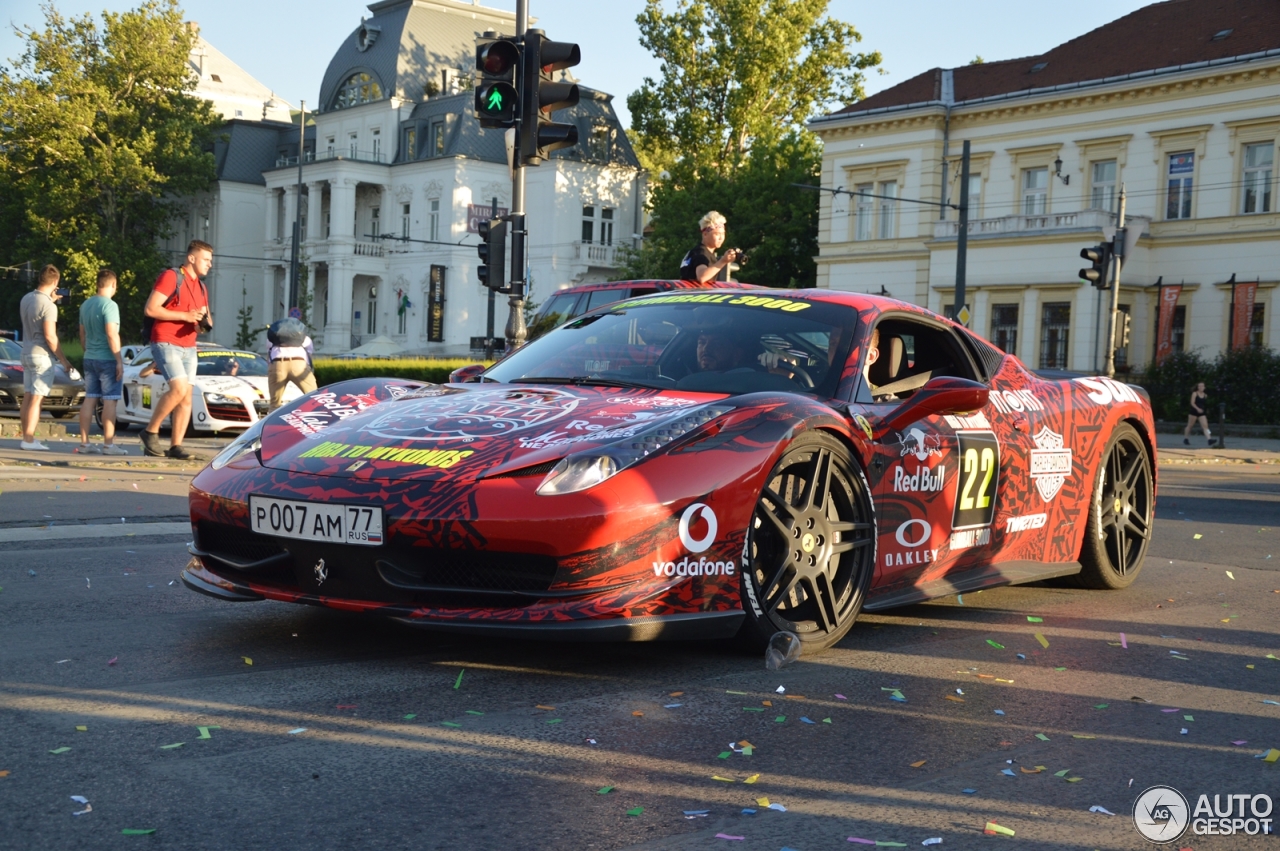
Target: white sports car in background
(230, 390)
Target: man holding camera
(179, 308)
(39, 311)
(701, 264)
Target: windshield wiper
(587, 381)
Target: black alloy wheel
(810, 550)
(1120, 513)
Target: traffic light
(1100, 258)
(541, 96)
(493, 253)
(1123, 321)
(497, 100)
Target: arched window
(359, 88)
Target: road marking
(114, 530)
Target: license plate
(316, 521)
(57, 391)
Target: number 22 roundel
(979, 480)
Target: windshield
(231, 363)
(712, 342)
(9, 350)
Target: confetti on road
(968, 791)
(995, 645)
(59, 750)
(172, 746)
(999, 711)
(992, 828)
(540, 706)
(112, 660)
(1124, 642)
(297, 731)
(676, 694)
(1230, 575)
(1044, 642)
(841, 697)
(952, 697)
(672, 705)
(937, 840)
(723, 779)
(752, 779)
(860, 841)
(133, 831)
(724, 835)
(81, 799)
(247, 660)
(1042, 737)
(918, 764)
(204, 731)
(604, 790)
(1009, 771)
(638, 714)
(411, 716)
(1097, 809)
(458, 681)
(1272, 755)
(82, 729)
(1031, 619)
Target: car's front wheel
(810, 550)
(1120, 513)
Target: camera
(741, 256)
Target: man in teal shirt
(103, 366)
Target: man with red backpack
(177, 310)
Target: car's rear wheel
(810, 549)
(1120, 513)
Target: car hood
(233, 385)
(460, 432)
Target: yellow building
(1178, 102)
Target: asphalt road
(349, 732)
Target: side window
(599, 298)
(636, 292)
(908, 354)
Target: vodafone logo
(909, 529)
(690, 516)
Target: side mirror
(464, 374)
(941, 395)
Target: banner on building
(435, 305)
(1164, 334)
(477, 213)
(1242, 297)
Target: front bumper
(673, 627)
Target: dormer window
(1221, 34)
(1038, 67)
(359, 88)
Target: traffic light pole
(962, 237)
(516, 332)
(1115, 291)
(488, 327)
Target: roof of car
(658, 284)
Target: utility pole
(962, 238)
(1119, 242)
(516, 332)
(488, 327)
(294, 267)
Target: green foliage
(977, 60)
(100, 140)
(1245, 379)
(420, 369)
(774, 222)
(738, 71)
(246, 334)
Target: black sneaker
(151, 444)
(179, 453)
(1187, 441)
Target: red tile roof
(1162, 35)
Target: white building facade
(396, 173)
(1187, 119)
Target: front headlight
(587, 469)
(219, 399)
(249, 441)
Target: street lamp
(1057, 172)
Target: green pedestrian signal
(497, 59)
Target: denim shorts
(175, 361)
(37, 373)
(100, 380)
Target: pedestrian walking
(701, 263)
(290, 355)
(178, 308)
(39, 312)
(103, 364)
(1198, 413)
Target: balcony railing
(1023, 224)
(595, 254)
(378, 156)
(370, 249)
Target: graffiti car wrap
(709, 464)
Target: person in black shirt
(1198, 412)
(701, 264)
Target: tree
(774, 221)
(246, 334)
(100, 139)
(977, 60)
(736, 71)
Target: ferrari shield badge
(864, 425)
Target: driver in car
(719, 352)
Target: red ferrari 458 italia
(692, 464)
